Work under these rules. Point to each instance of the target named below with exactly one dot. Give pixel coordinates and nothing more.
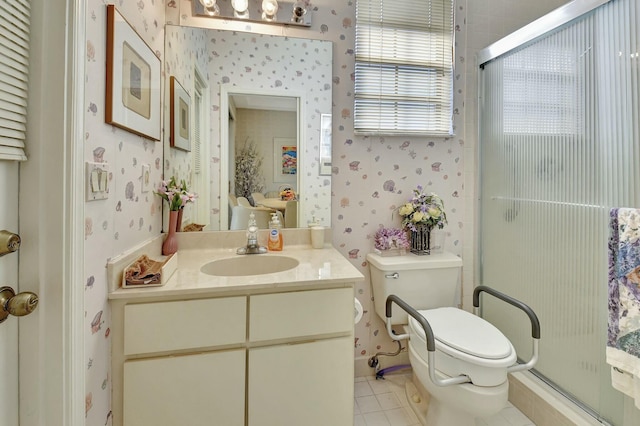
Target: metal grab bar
(535, 323)
(431, 343)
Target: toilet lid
(465, 332)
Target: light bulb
(212, 10)
(269, 9)
(240, 6)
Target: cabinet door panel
(307, 384)
(194, 390)
(184, 324)
(301, 314)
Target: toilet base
(418, 401)
(457, 405)
(440, 415)
(430, 412)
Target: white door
(9, 277)
(48, 344)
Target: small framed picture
(285, 160)
(133, 80)
(180, 102)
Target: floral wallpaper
(129, 216)
(371, 175)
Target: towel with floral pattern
(623, 342)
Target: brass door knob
(9, 242)
(16, 304)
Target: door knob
(9, 242)
(16, 304)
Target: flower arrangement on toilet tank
(423, 210)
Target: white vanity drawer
(300, 314)
(184, 324)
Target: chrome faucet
(252, 246)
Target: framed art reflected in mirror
(285, 160)
(133, 80)
(180, 101)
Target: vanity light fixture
(297, 13)
(269, 10)
(240, 8)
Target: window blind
(404, 67)
(14, 72)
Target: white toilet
(468, 349)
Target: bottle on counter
(317, 234)
(275, 242)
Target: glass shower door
(559, 147)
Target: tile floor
(383, 403)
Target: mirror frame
(226, 91)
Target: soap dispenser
(275, 234)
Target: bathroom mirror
(249, 88)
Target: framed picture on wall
(285, 160)
(133, 80)
(180, 117)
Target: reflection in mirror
(239, 70)
(263, 144)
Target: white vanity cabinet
(179, 362)
(308, 384)
(254, 359)
(305, 376)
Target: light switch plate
(97, 181)
(146, 178)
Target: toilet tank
(424, 282)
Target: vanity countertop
(317, 268)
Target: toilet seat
(465, 336)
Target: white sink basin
(248, 265)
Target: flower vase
(179, 221)
(421, 240)
(170, 244)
